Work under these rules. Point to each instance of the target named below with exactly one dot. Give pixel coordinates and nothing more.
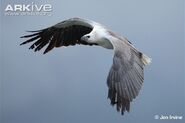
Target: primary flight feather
(126, 74)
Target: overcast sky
(68, 85)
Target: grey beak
(84, 38)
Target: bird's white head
(90, 38)
(98, 36)
(95, 35)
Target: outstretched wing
(126, 76)
(64, 33)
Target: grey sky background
(68, 85)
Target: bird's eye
(88, 36)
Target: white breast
(100, 36)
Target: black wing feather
(57, 37)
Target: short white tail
(145, 59)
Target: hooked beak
(84, 38)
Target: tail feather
(145, 59)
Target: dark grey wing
(125, 78)
(68, 32)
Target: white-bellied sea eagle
(125, 77)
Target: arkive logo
(28, 9)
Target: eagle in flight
(125, 77)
